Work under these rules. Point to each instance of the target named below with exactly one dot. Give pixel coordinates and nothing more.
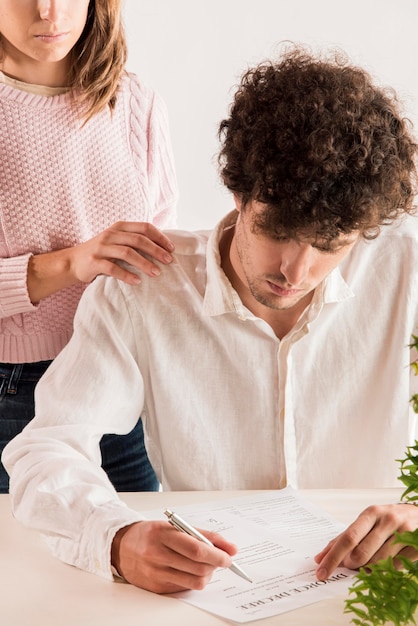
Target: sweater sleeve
(152, 151)
(14, 296)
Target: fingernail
(168, 258)
(155, 271)
(321, 573)
(170, 245)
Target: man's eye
(325, 249)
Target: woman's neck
(53, 74)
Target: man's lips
(283, 291)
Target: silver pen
(180, 524)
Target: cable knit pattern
(61, 183)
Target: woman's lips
(51, 37)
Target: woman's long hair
(98, 59)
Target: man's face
(282, 273)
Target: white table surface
(38, 590)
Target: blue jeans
(124, 457)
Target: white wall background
(194, 51)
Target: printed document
(277, 533)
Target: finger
(392, 549)
(137, 260)
(379, 542)
(148, 230)
(345, 543)
(220, 542)
(197, 551)
(186, 562)
(110, 265)
(149, 247)
(197, 565)
(169, 571)
(171, 580)
(407, 552)
(318, 557)
(124, 246)
(109, 268)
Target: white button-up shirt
(225, 403)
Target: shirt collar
(220, 297)
(40, 90)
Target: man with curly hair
(272, 351)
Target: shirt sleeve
(93, 387)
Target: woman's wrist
(48, 273)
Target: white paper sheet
(278, 534)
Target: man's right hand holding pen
(154, 556)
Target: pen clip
(176, 526)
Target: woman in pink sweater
(86, 167)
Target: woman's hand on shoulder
(123, 241)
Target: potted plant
(384, 593)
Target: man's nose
(296, 262)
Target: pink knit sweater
(61, 183)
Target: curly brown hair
(327, 151)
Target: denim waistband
(16, 372)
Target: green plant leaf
(383, 594)
(386, 593)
